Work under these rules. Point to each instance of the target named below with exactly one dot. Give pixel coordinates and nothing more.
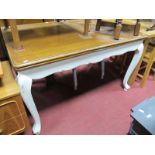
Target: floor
(98, 107)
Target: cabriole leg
(132, 66)
(25, 84)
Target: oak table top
(49, 42)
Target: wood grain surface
(49, 42)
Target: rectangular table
(55, 47)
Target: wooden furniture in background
(1, 71)
(147, 57)
(48, 20)
(118, 25)
(137, 27)
(13, 117)
(15, 34)
(117, 29)
(146, 65)
(86, 26)
(4, 22)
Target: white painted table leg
(102, 69)
(75, 79)
(132, 66)
(25, 84)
